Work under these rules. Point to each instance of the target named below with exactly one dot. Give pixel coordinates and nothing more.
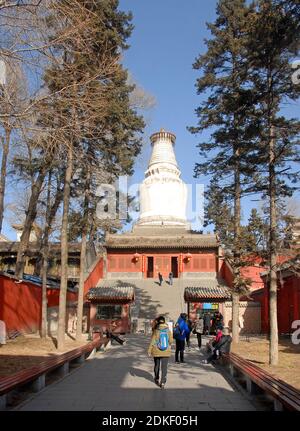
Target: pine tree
(257, 228)
(273, 36)
(94, 123)
(227, 109)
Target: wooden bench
(36, 375)
(285, 396)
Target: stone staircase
(151, 300)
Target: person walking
(160, 278)
(160, 350)
(199, 327)
(181, 331)
(207, 323)
(171, 279)
(190, 325)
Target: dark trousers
(199, 338)
(207, 330)
(188, 343)
(180, 345)
(163, 364)
(212, 357)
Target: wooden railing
(285, 396)
(36, 375)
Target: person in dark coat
(218, 321)
(171, 278)
(160, 278)
(222, 346)
(207, 323)
(181, 331)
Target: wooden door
(162, 265)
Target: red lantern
(188, 257)
(136, 257)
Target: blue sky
(167, 37)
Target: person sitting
(220, 347)
(211, 343)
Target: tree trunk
(235, 317)
(273, 352)
(236, 247)
(45, 257)
(83, 256)
(45, 262)
(81, 285)
(51, 212)
(64, 253)
(3, 172)
(44, 320)
(30, 217)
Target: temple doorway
(150, 266)
(174, 266)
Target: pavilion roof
(186, 241)
(205, 294)
(111, 295)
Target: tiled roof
(34, 247)
(199, 294)
(111, 295)
(187, 241)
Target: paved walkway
(122, 379)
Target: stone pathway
(122, 379)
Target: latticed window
(203, 263)
(212, 263)
(107, 312)
(112, 262)
(196, 262)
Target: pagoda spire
(163, 148)
(163, 195)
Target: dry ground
(257, 351)
(26, 351)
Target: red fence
(21, 303)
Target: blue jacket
(184, 329)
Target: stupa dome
(163, 195)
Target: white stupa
(163, 195)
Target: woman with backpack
(160, 350)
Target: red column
(296, 297)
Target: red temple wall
(288, 304)
(20, 303)
(198, 262)
(123, 262)
(96, 274)
(253, 272)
